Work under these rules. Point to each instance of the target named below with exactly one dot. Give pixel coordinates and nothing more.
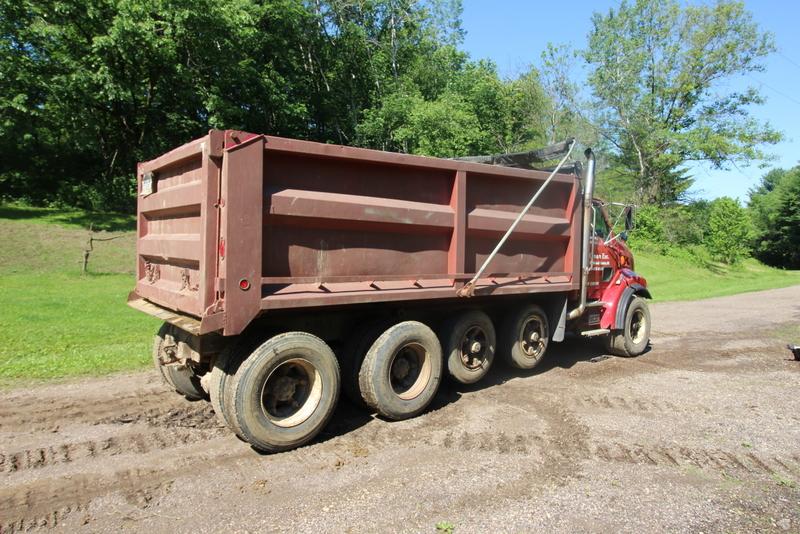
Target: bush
(729, 231)
(649, 231)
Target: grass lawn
(62, 324)
(54, 321)
(57, 323)
(678, 278)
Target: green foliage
(649, 228)
(89, 88)
(446, 527)
(470, 112)
(658, 73)
(729, 231)
(775, 205)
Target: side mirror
(628, 219)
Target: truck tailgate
(178, 226)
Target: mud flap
(561, 326)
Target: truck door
(602, 269)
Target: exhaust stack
(586, 249)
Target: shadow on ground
(99, 221)
(349, 417)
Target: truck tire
(524, 337)
(285, 392)
(402, 371)
(225, 367)
(158, 339)
(185, 381)
(353, 356)
(633, 338)
(468, 343)
(221, 372)
(181, 378)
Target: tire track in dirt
(635, 454)
(527, 398)
(634, 404)
(72, 453)
(171, 428)
(47, 503)
(42, 415)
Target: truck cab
(613, 285)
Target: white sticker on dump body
(147, 184)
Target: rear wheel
(353, 356)
(633, 338)
(186, 381)
(225, 367)
(285, 392)
(158, 341)
(524, 337)
(181, 377)
(402, 371)
(468, 344)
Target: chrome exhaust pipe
(586, 252)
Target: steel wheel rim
(638, 326)
(532, 337)
(473, 348)
(291, 393)
(410, 371)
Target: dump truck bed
(234, 225)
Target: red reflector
(244, 284)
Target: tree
(659, 73)
(775, 205)
(462, 108)
(729, 231)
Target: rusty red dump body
(289, 271)
(234, 225)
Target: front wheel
(633, 338)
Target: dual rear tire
(401, 371)
(277, 395)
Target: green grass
(681, 278)
(54, 321)
(63, 325)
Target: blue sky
(513, 34)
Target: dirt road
(700, 434)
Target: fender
(618, 295)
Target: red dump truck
(286, 271)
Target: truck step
(598, 332)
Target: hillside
(57, 322)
